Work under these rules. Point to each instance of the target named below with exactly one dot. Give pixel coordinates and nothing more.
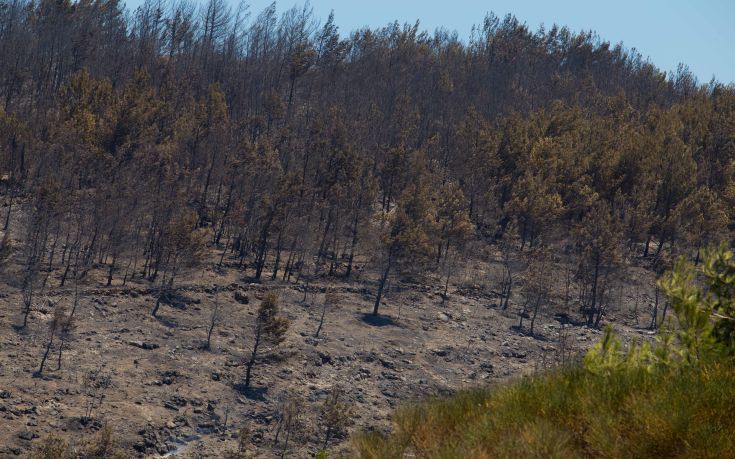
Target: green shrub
(672, 398)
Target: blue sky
(699, 33)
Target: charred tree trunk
(381, 284)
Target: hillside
(168, 394)
(672, 399)
(187, 192)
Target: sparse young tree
(290, 420)
(538, 285)
(331, 301)
(28, 290)
(269, 330)
(60, 324)
(95, 384)
(214, 319)
(6, 249)
(336, 415)
(244, 436)
(102, 445)
(52, 447)
(65, 331)
(506, 281)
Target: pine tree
(269, 330)
(411, 232)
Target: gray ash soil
(163, 395)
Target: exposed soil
(168, 396)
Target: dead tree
(59, 321)
(28, 290)
(213, 319)
(506, 281)
(331, 301)
(66, 330)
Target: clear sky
(699, 33)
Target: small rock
(441, 352)
(27, 435)
(515, 354)
(390, 376)
(389, 393)
(487, 366)
(144, 345)
(325, 358)
(241, 297)
(170, 405)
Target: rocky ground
(163, 395)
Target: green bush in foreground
(675, 398)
